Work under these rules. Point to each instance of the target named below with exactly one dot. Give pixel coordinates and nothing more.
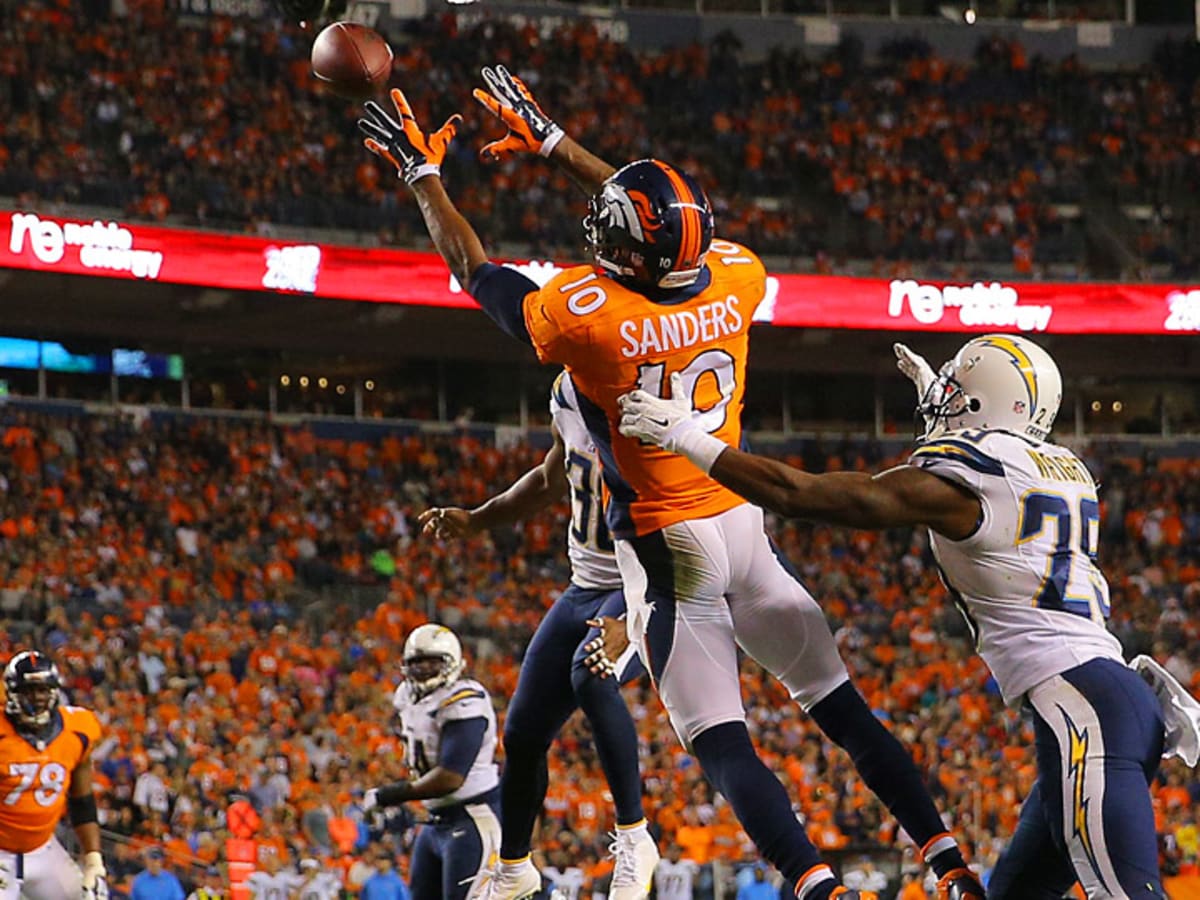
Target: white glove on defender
(916, 369)
(370, 799)
(670, 423)
(1181, 712)
(95, 877)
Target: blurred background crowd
(231, 597)
(905, 159)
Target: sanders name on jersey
(662, 333)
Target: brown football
(354, 60)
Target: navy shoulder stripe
(466, 693)
(962, 452)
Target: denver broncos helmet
(31, 683)
(650, 225)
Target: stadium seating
(908, 159)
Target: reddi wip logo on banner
(102, 245)
(979, 305)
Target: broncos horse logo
(631, 211)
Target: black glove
(414, 153)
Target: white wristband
(412, 176)
(551, 141)
(700, 448)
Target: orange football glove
(960, 884)
(529, 129)
(414, 153)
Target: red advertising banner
(112, 249)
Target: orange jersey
(34, 781)
(613, 340)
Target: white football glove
(916, 369)
(370, 799)
(1181, 712)
(95, 877)
(670, 423)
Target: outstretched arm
(418, 157)
(585, 168)
(901, 496)
(452, 234)
(531, 493)
(898, 497)
(530, 130)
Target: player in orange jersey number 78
(46, 770)
(700, 576)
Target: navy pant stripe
(655, 558)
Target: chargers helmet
(650, 225)
(432, 658)
(998, 381)
(31, 683)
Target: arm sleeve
(501, 292)
(461, 740)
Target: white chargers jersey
(264, 886)
(589, 544)
(322, 886)
(1026, 580)
(422, 721)
(675, 880)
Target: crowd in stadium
(196, 581)
(909, 158)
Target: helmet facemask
(426, 673)
(610, 243)
(32, 700)
(945, 399)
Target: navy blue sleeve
(501, 292)
(461, 740)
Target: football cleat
(960, 884)
(845, 893)
(512, 881)
(636, 856)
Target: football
(354, 60)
